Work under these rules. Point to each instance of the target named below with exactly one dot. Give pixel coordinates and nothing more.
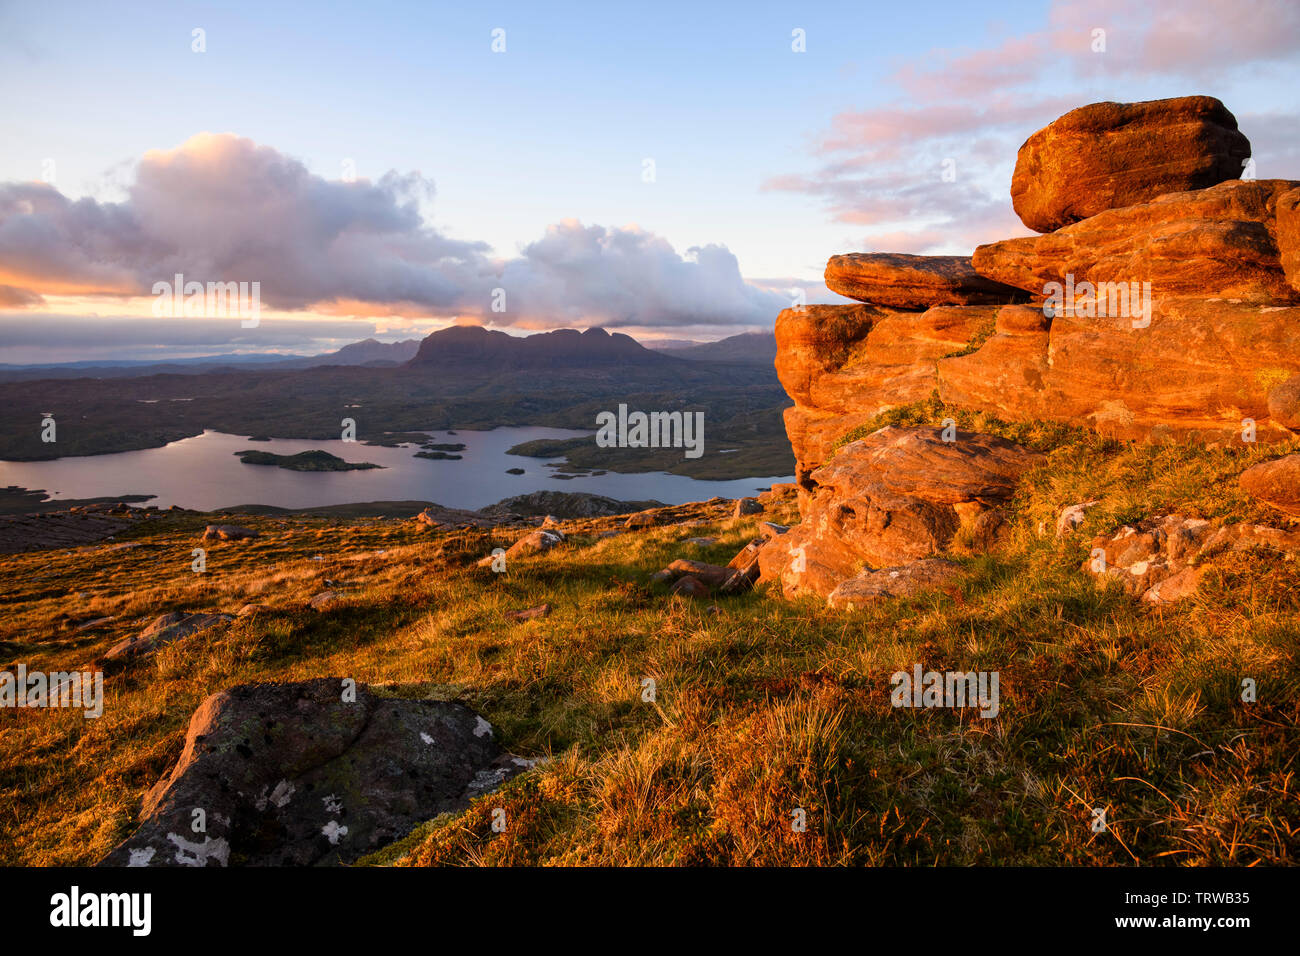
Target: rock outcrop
(1162, 559)
(1160, 304)
(1221, 242)
(1165, 304)
(308, 773)
(1106, 155)
(899, 281)
(897, 496)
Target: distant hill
(367, 352)
(747, 348)
(471, 346)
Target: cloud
(222, 208)
(631, 278)
(968, 111)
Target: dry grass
(762, 707)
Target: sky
(673, 170)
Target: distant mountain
(471, 347)
(747, 348)
(367, 352)
(664, 345)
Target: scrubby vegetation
(761, 707)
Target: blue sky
(784, 158)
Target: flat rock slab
(903, 581)
(1107, 155)
(300, 774)
(899, 281)
(50, 530)
(1222, 241)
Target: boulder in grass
(529, 614)
(228, 532)
(312, 773)
(1276, 483)
(164, 630)
(712, 575)
(691, 587)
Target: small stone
(528, 614)
(690, 586)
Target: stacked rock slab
(844, 364)
(1161, 302)
(1177, 313)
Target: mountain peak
(562, 348)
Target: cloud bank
(222, 208)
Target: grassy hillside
(762, 706)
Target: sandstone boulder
(816, 338)
(1288, 235)
(690, 586)
(840, 380)
(712, 575)
(535, 542)
(1276, 483)
(898, 281)
(299, 774)
(164, 630)
(1197, 371)
(1284, 404)
(903, 581)
(894, 497)
(1107, 155)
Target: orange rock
(899, 281)
(894, 497)
(1288, 235)
(1276, 483)
(1108, 155)
(1198, 371)
(1220, 242)
(815, 338)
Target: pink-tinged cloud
(221, 208)
(968, 111)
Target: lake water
(203, 473)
